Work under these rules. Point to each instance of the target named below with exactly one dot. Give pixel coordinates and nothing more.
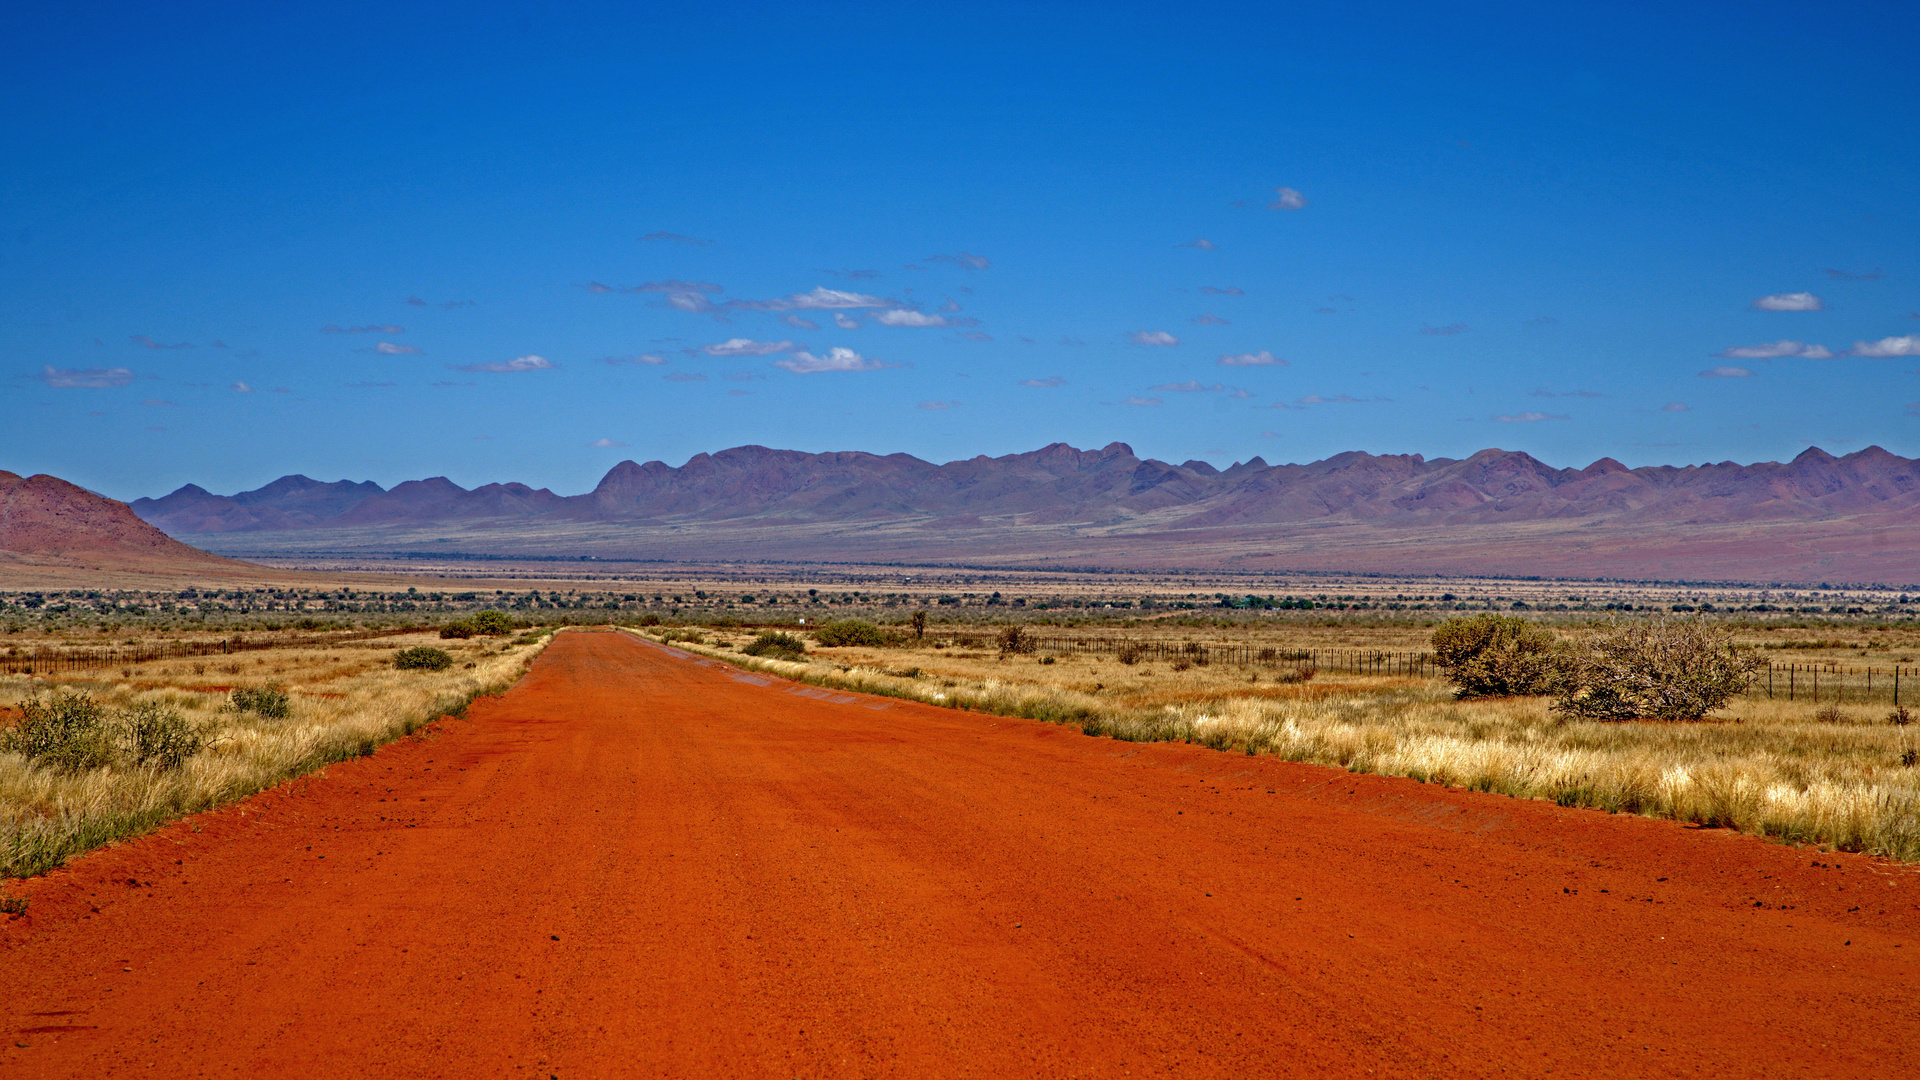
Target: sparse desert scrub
(1842, 776)
(345, 702)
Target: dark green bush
(152, 734)
(422, 658)
(459, 628)
(491, 623)
(1497, 656)
(849, 632)
(270, 702)
(775, 646)
(68, 730)
(1014, 639)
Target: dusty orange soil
(641, 864)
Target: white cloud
(1210, 319)
(1242, 394)
(1200, 242)
(683, 376)
(1530, 417)
(837, 359)
(1263, 358)
(1726, 372)
(1676, 406)
(799, 323)
(1230, 290)
(597, 287)
(378, 328)
(92, 378)
(1047, 383)
(1775, 349)
(1791, 301)
(518, 363)
(820, 299)
(1191, 386)
(903, 317)
(643, 358)
(603, 444)
(241, 388)
(939, 406)
(963, 260)
(673, 238)
(1285, 198)
(1888, 346)
(674, 285)
(747, 347)
(1337, 399)
(388, 348)
(1152, 337)
(845, 321)
(146, 342)
(1141, 401)
(1444, 331)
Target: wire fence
(59, 660)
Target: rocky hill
(54, 532)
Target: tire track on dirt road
(640, 863)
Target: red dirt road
(638, 864)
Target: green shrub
(1016, 640)
(152, 734)
(422, 658)
(270, 702)
(849, 632)
(492, 623)
(1497, 655)
(775, 646)
(459, 628)
(1666, 669)
(68, 730)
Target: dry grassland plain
(346, 699)
(1832, 774)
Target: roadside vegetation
(90, 757)
(1521, 721)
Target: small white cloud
(1530, 417)
(1152, 337)
(962, 260)
(604, 444)
(92, 378)
(683, 376)
(1263, 358)
(1444, 331)
(1888, 346)
(820, 299)
(146, 342)
(390, 349)
(158, 403)
(674, 238)
(1774, 349)
(837, 359)
(1191, 386)
(1791, 301)
(939, 406)
(518, 363)
(1242, 394)
(1725, 371)
(1285, 198)
(675, 285)
(597, 287)
(1210, 319)
(643, 358)
(1047, 383)
(902, 317)
(799, 323)
(1228, 290)
(1676, 406)
(747, 347)
(241, 388)
(1141, 401)
(1200, 242)
(1337, 399)
(377, 328)
(845, 321)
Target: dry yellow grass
(1845, 778)
(347, 700)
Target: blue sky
(514, 242)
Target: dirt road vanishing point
(643, 864)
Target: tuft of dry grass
(1836, 775)
(347, 701)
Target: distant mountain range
(1816, 517)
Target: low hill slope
(55, 534)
